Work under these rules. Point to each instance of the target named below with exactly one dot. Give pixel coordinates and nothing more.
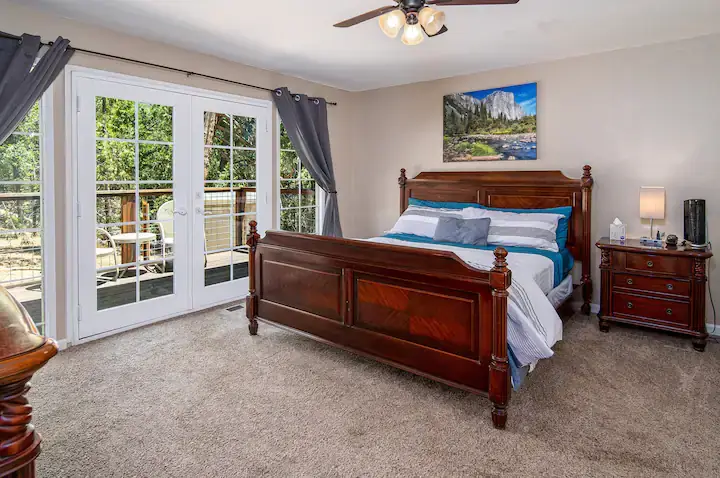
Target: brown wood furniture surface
(22, 352)
(662, 288)
(421, 310)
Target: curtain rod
(155, 65)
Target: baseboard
(62, 344)
(594, 308)
(714, 333)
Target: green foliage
(481, 149)
(20, 163)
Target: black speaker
(695, 227)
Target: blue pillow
(442, 205)
(563, 229)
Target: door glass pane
(156, 162)
(155, 122)
(242, 224)
(115, 118)
(21, 219)
(134, 199)
(115, 160)
(217, 129)
(244, 165)
(218, 230)
(115, 203)
(240, 263)
(230, 193)
(244, 131)
(217, 164)
(218, 198)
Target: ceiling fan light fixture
(432, 20)
(391, 23)
(413, 34)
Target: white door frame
(72, 74)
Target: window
(21, 215)
(298, 191)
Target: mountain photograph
(491, 125)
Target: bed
(417, 307)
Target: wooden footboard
(420, 310)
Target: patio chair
(166, 222)
(165, 217)
(101, 251)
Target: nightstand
(662, 288)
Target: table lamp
(652, 205)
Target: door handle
(180, 212)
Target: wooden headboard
(515, 189)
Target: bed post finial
(251, 301)
(499, 390)
(586, 281)
(402, 180)
(587, 179)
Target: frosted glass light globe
(391, 23)
(432, 20)
(413, 35)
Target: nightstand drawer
(648, 308)
(652, 284)
(662, 264)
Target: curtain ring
(297, 97)
(317, 102)
(278, 92)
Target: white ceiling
(297, 37)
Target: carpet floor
(197, 396)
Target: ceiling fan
(416, 16)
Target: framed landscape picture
(499, 124)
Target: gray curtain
(21, 85)
(306, 122)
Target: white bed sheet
(560, 293)
(533, 323)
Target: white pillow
(522, 230)
(422, 221)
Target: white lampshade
(391, 23)
(652, 202)
(432, 20)
(413, 35)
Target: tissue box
(617, 232)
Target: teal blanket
(563, 261)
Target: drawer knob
(670, 287)
(630, 305)
(668, 311)
(650, 263)
(630, 282)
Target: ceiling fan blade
(444, 29)
(450, 3)
(366, 16)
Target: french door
(167, 183)
(232, 180)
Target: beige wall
(640, 117)
(16, 19)
(645, 116)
